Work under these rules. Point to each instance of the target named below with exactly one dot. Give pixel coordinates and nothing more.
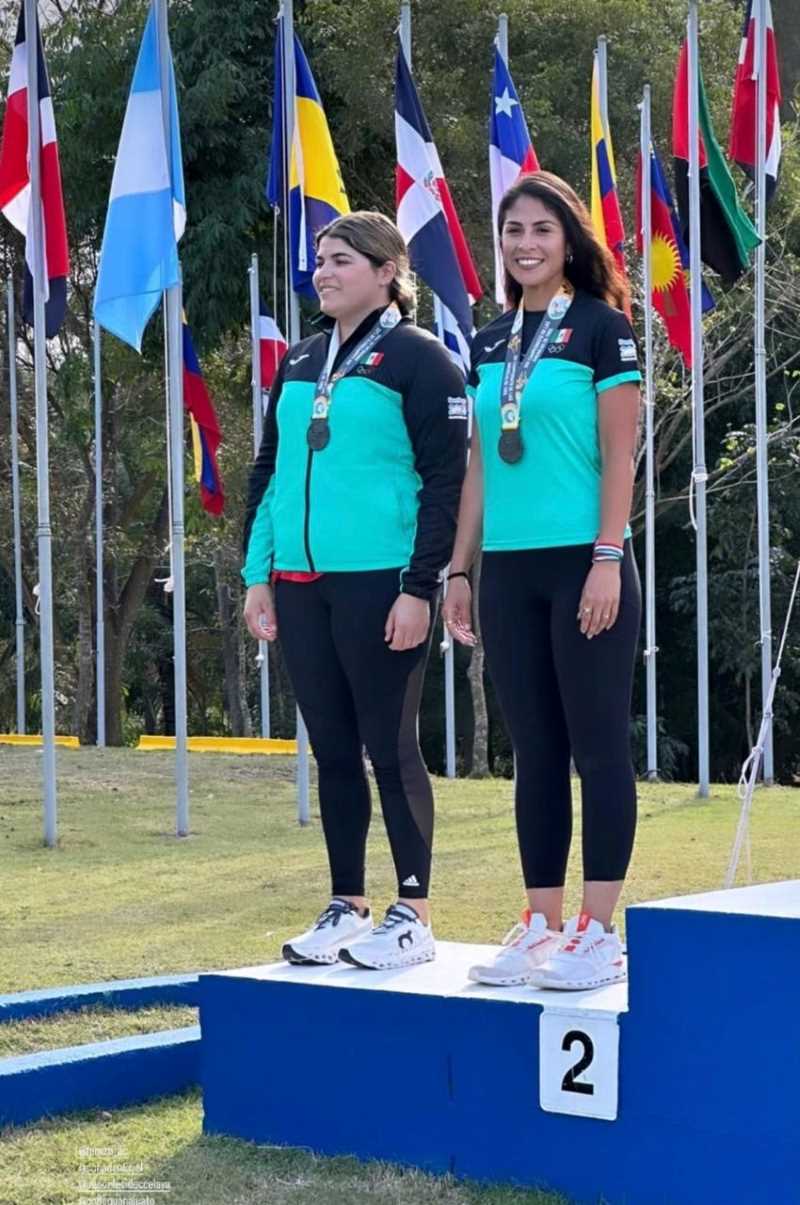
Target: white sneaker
(524, 949)
(587, 957)
(400, 940)
(339, 924)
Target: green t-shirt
(551, 496)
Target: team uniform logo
(457, 407)
(560, 340)
(627, 350)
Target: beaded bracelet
(607, 552)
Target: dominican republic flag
(727, 236)
(511, 153)
(742, 142)
(15, 184)
(669, 259)
(206, 436)
(271, 343)
(147, 208)
(606, 212)
(315, 193)
(426, 215)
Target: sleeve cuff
(622, 378)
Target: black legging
(353, 692)
(563, 695)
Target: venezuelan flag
(316, 191)
(206, 435)
(606, 213)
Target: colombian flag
(316, 191)
(206, 434)
(606, 213)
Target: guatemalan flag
(316, 190)
(511, 153)
(272, 345)
(742, 143)
(15, 185)
(428, 221)
(147, 208)
(206, 434)
(606, 212)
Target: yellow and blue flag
(606, 212)
(316, 193)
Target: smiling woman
(548, 490)
(351, 519)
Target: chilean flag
(15, 184)
(206, 435)
(271, 343)
(742, 142)
(426, 215)
(511, 152)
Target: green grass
(41, 1166)
(121, 896)
(92, 1024)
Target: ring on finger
(587, 611)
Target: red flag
(205, 428)
(15, 189)
(668, 257)
(742, 142)
(271, 343)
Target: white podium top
(446, 976)
(762, 899)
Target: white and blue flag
(147, 207)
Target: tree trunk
(480, 739)
(82, 724)
(230, 659)
(121, 614)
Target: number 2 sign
(579, 1063)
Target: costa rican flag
(426, 215)
(742, 142)
(272, 345)
(15, 183)
(511, 153)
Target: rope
(752, 763)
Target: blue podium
(679, 1088)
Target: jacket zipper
(307, 520)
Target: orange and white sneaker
(525, 947)
(587, 957)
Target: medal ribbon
(328, 378)
(516, 374)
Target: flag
(271, 343)
(206, 435)
(316, 191)
(511, 153)
(742, 142)
(15, 184)
(727, 235)
(147, 207)
(424, 221)
(669, 259)
(606, 213)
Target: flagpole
(650, 494)
(303, 814)
(16, 506)
(405, 30)
(44, 533)
(502, 36)
(172, 306)
(699, 473)
(100, 637)
(760, 363)
(602, 73)
(258, 425)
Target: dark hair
(376, 237)
(592, 267)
